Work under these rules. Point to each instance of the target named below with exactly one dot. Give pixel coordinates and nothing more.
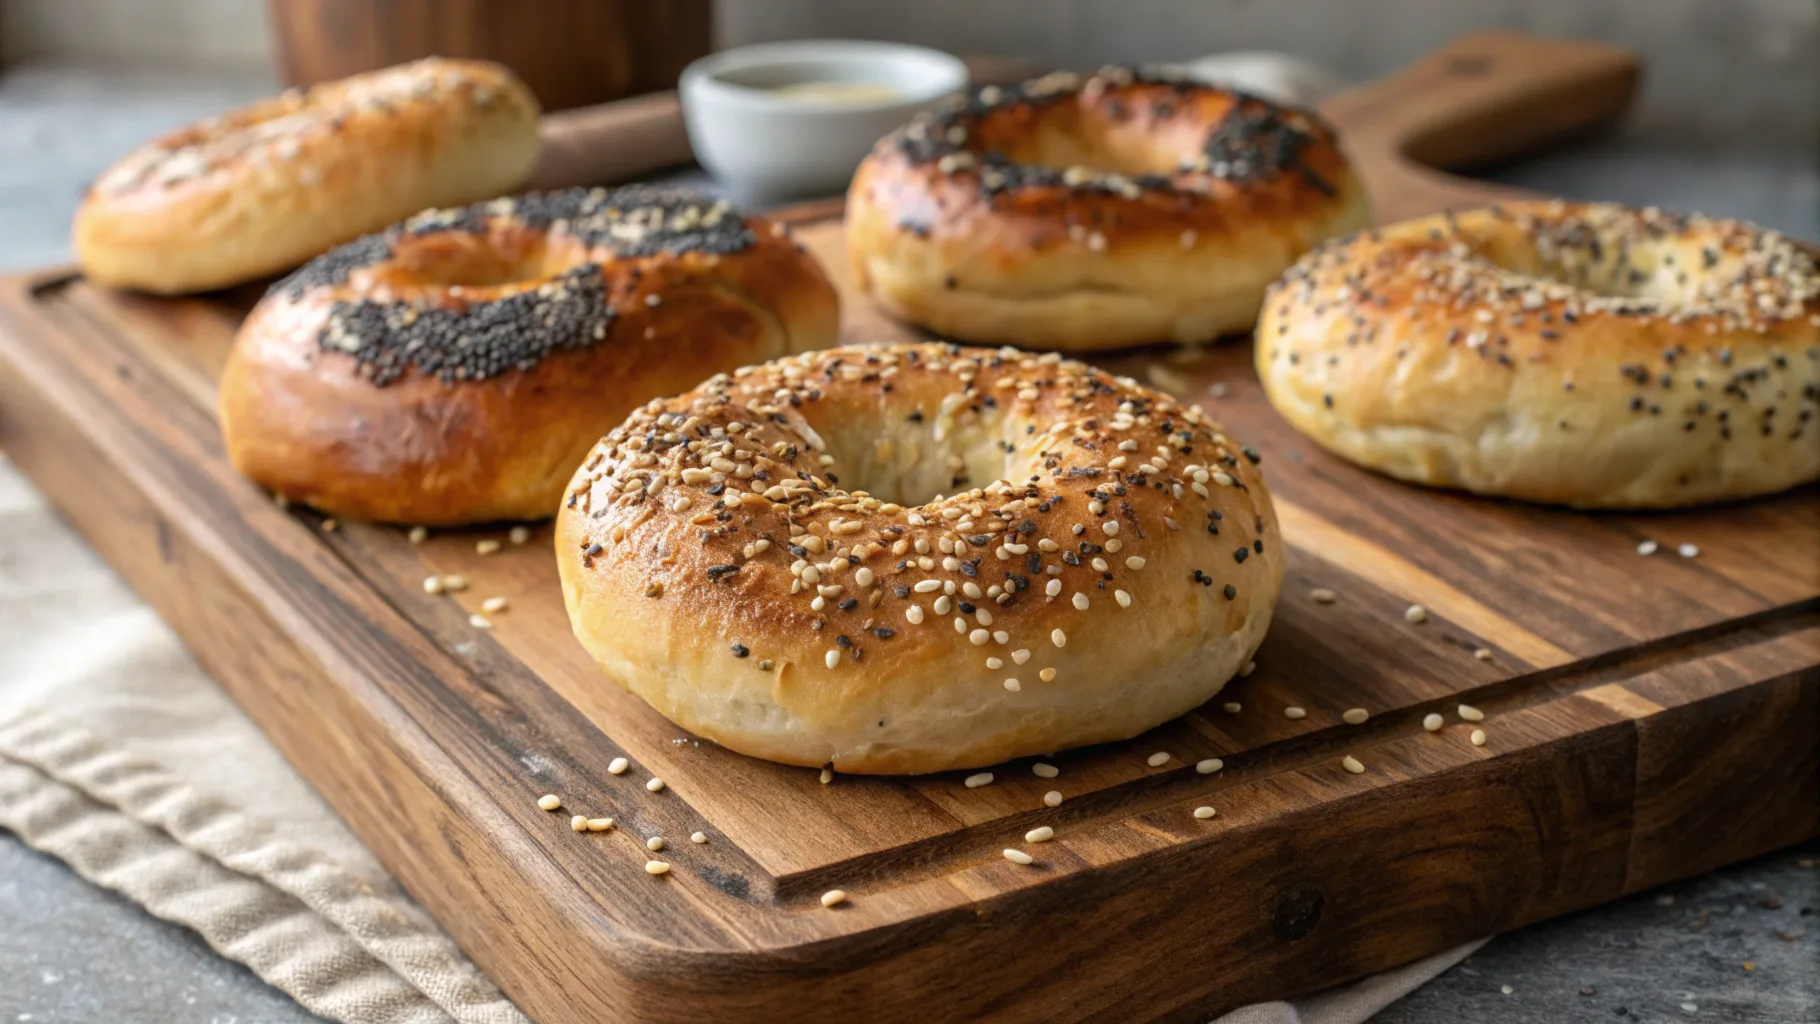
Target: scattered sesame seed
(1013, 685)
(1433, 722)
(1040, 834)
(698, 837)
(1232, 707)
(519, 534)
(1468, 713)
(1053, 798)
(1044, 770)
(418, 535)
(1046, 675)
(654, 844)
(1295, 713)
(1478, 737)
(1322, 596)
(656, 867)
(1506, 989)
(486, 547)
(1355, 716)
(1158, 759)
(1415, 613)
(1209, 765)
(1247, 669)
(479, 621)
(454, 581)
(656, 785)
(1647, 547)
(579, 823)
(1688, 550)
(977, 780)
(1204, 813)
(432, 585)
(1018, 856)
(834, 898)
(599, 824)
(549, 801)
(618, 766)
(493, 605)
(330, 526)
(1351, 764)
(1482, 653)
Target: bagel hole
(497, 260)
(1065, 136)
(895, 457)
(1607, 265)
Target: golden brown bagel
(456, 368)
(1090, 213)
(768, 561)
(1585, 355)
(266, 187)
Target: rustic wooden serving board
(1647, 718)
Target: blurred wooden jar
(570, 52)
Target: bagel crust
(458, 367)
(767, 562)
(1586, 355)
(263, 188)
(1089, 213)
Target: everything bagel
(1586, 355)
(456, 368)
(1084, 213)
(909, 558)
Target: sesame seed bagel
(1586, 355)
(263, 188)
(1090, 213)
(457, 367)
(911, 558)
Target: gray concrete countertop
(1742, 944)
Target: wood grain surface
(1646, 718)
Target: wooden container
(570, 52)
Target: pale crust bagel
(1089, 213)
(262, 189)
(768, 560)
(457, 368)
(1586, 355)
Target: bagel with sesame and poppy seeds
(457, 367)
(916, 557)
(263, 188)
(1594, 356)
(1084, 213)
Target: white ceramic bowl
(766, 144)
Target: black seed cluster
(476, 342)
(1255, 143)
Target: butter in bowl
(786, 120)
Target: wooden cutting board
(1647, 718)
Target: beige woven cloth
(119, 756)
